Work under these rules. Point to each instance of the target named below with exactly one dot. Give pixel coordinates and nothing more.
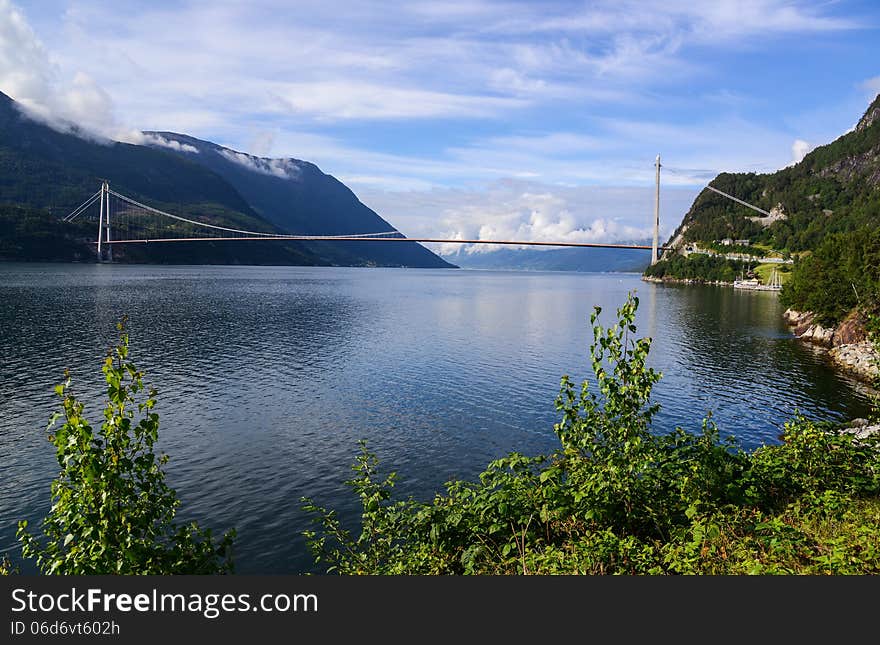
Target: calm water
(269, 376)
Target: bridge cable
(79, 209)
(234, 230)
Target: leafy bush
(614, 497)
(112, 512)
(6, 567)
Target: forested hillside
(824, 212)
(833, 189)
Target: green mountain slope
(42, 167)
(833, 189)
(45, 174)
(825, 212)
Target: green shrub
(112, 512)
(6, 567)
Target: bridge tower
(105, 254)
(656, 243)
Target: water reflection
(744, 365)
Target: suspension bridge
(124, 220)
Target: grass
(765, 271)
(801, 539)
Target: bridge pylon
(656, 244)
(105, 254)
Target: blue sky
(535, 120)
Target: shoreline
(847, 344)
(714, 283)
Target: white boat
(754, 284)
(749, 283)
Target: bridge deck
(330, 238)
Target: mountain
(566, 259)
(298, 198)
(45, 172)
(833, 189)
(823, 211)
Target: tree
(112, 512)
(842, 273)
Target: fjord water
(269, 376)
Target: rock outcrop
(862, 167)
(871, 115)
(777, 213)
(807, 329)
(851, 330)
(861, 428)
(859, 359)
(848, 344)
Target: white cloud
(529, 216)
(261, 143)
(414, 60)
(25, 72)
(529, 211)
(799, 150)
(281, 168)
(27, 75)
(330, 100)
(384, 182)
(871, 85)
(513, 81)
(142, 139)
(707, 21)
(79, 106)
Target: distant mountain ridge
(45, 173)
(563, 259)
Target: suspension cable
(235, 230)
